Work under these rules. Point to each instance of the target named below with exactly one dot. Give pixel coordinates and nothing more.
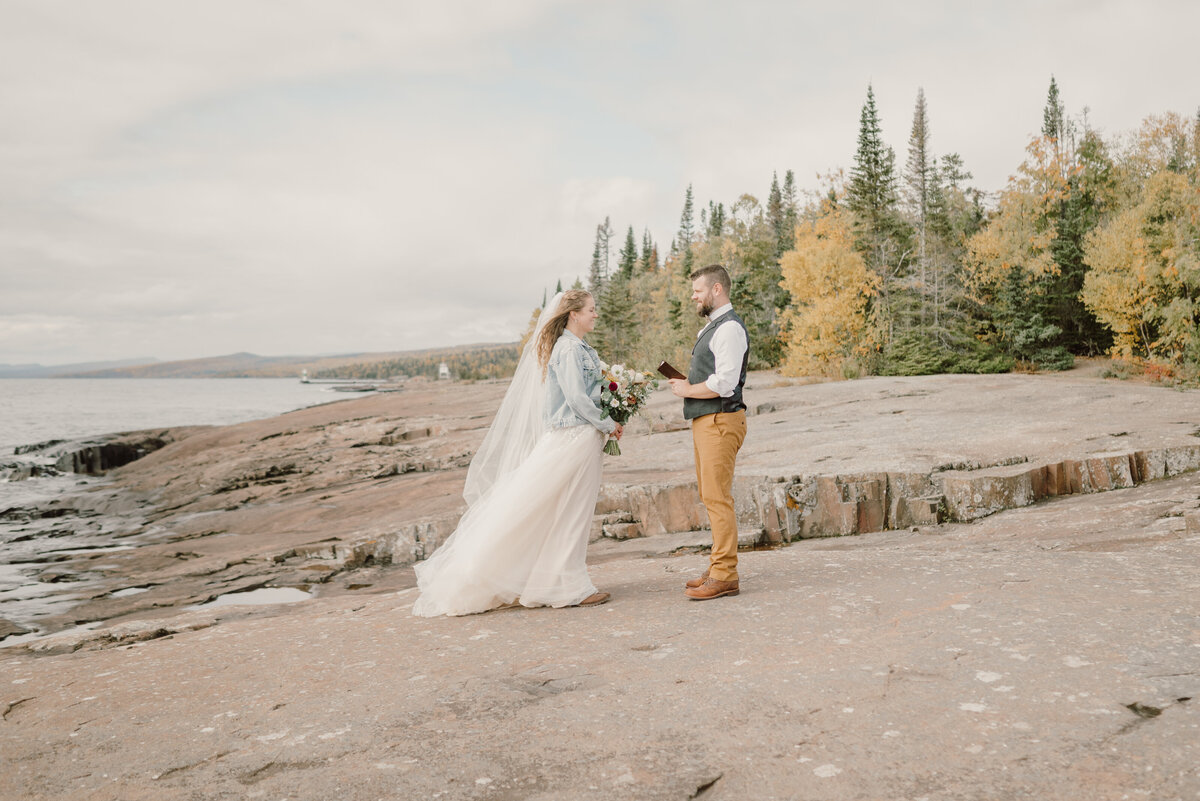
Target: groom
(712, 400)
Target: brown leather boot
(696, 582)
(712, 588)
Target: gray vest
(704, 364)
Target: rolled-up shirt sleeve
(728, 346)
(568, 370)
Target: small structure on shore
(443, 372)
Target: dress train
(526, 539)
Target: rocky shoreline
(319, 497)
(1041, 646)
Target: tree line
(1092, 247)
(472, 362)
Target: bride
(531, 488)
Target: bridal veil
(518, 423)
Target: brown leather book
(669, 371)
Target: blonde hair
(572, 300)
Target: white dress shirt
(728, 345)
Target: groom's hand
(685, 390)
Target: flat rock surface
(1045, 652)
(314, 498)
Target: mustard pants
(716, 439)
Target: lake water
(38, 409)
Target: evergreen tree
(596, 270)
(871, 194)
(558, 288)
(1052, 115)
(872, 190)
(649, 252)
(952, 172)
(918, 172)
(775, 214)
(1057, 128)
(790, 211)
(629, 255)
(716, 220)
(880, 232)
(686, 235)
(1089, 184)
(616, 331)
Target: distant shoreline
(241, 365)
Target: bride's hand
(618, 431)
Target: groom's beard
(704, 309)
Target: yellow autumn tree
(1144, 277)
(829, 320)
(1163, 142)
(1020, 235)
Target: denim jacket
(573, 386)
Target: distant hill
(59, 370)
(470, 362)
(467, 361)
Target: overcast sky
(185, 179)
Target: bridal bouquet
(622, 393)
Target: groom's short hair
(716, 274)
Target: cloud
(372, 175)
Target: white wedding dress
(531, 495)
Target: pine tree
(952, 171)
(790, 211)
(775, 214)
(595, 271)
(871, 194)
(1089, 182)
(716, 220)
(616, 331)
(686, 235)
(880, 232)
(629, 255)
(1057, 128)
(649, 253)
(1052, 115)
(917, 174)
(558, 288)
